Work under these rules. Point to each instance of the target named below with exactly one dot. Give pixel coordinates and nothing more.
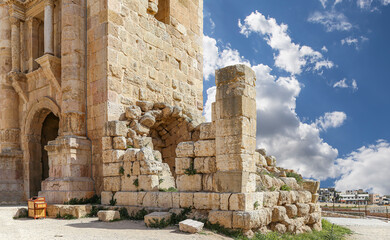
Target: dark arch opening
(43, 132)
(49, 133)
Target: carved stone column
(15, 43)
(11, 168)
(70, 154)
(235, 117)
(48, 27)
(32, 49)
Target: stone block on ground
(156, 217)
(21, 213)
(190, 226)
(108, 215)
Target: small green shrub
(135, 182)
(263, 172)
(140, 215)
(217, 228)
(160, 181)
(121, 170)
(65, 217)
(329, 232)
(285, 188)
(183, 215)
(95, 199)
(68, 217)
(94, 211)
(155, 223)
(256, 205)
(297, 177)
(128, 175)
(171, 189)
(129, 146)
(272, 188)
(112, 201)
(191, 170)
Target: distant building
(374, 198)
(326, 194)
(355, 197)
(384, 200)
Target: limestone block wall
(97, 83)
(154, 54)
(138, 153)
(253, 195)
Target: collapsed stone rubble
(217, 171)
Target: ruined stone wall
(218, 172)
(155, 60)
(97, 29)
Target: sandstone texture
(191, 226)
(115, 109)
(108, 215)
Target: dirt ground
(364, 229)
(91, 228)
(86, 228)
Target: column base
(60, 190)
(69, 170)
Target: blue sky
(323, 82)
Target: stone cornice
(20, 85)
(16, 9)
(51, 67)
(23, 9)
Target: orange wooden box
(37, 207)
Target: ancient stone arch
(31, 142)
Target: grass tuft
(296, 176)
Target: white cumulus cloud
(330, 120)
(291, 57)
(368, 168)
(331, 20)
(214, 59)
(296, 145)
(356, 42)
(343, 84)
(365, 4)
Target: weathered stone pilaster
(15, 43)
(11, 169)
(73, 80)
(32, 49)
(70, 153)
(235, 119)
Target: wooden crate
(37, 207)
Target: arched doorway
(49, 133)
(46, 129)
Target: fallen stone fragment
(108, 215)
(190, 226)
(21, 213)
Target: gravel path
(364, 229)
(86, 228)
